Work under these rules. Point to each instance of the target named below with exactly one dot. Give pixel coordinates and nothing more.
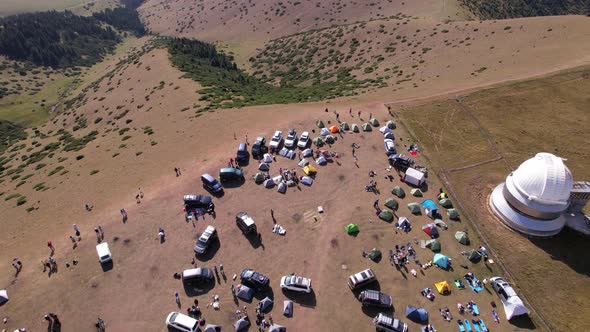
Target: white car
(182, 322)
(296, 283)
(303, 140)
(276, 139)
(291, 138)
(389, 146)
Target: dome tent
(434, 245)
(417, 315)
(288, 308)
(462, 237)
(374, 255)
(264, 167)
(441, 261)
(453, 213)
(355, 128)
(446, 203)
(324, 132)
(374, 122)
(269, 183)
(330, 139)
(344, 126)
(3, 296)
(391, 203)
(473, 255)
(282, 188)
(390, 124)
(318, 141)
(414, 208)
(265, 304)
(277, 328)
(258, 178)
(386, 215)
(430, 230)
(443, 287)
(334, 129)
(212, 328)
(320, 124)
(242, 324)
(417, 192)
(398, 191)
(267, 158)
(352, 228)
(367, 127)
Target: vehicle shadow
(372, 311)
(255, 240)
(211, 251)
(195, 290)
(234, 183)
(107, 266)
(267, 292)
(303, 299)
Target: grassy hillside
(501, 9)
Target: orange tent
(334, 129)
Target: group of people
(53, 323)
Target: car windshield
(276, 138)
(201, 242)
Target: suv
(211, 184)
(205, 240)
(375, 298)
(192, 202)
(242, 154)
(361, 279)
(385, 323)
(245, 223)
(200, 275)
(182, 322)
(295, 283)
(276, 140)
(259, 147)
(254, 279)
(291, 138)
(389, 146)
(303, 140)
(230, 174)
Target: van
(361, 279)
(198, 275)
(182, 322)
(104, 253)
(242, 154)
(385, 323)
(230, 174)
(245, 223)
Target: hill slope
(500, 9)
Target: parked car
(361, 279)
(276, 140)
(192, 202)
(291, 138)
(200, 275)
(385, 323)
(259, 147)
(211, 184)
(375, 298)
(389, 146)
(229, 174)
(104, 253)
(254, 279)
(242, 153)
(205, 240)
(182, 322)
(303, 140)
(245, 223)
(295, 283)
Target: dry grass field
(520, 120)
(11, 7)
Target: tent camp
(414, 208)
(446, 203)
(367, 127)
(324, 132)
(303, 162)
(288, 308)
(277, 328)
(384, 130)
(319, 123)
(441, 261)
(473, 255)
(307, 153)
(462, 237)
(265, 304)
(453, 213)
(430, 230)
(355, 128)
(398, 191)
(267, 158)
(330, 139)
(306, 180)
(269, 183)
(404, 224)
(390, 124)
(245, 293)
(374, 254)
(352, 228)
(374, 122)
(389, 135)
(443, 287)
(344, 126)
(264, 167)
(417, 192)
(258, 178)
(3, 296)
(430, 208)
(418, 315)
(242, 324)
(513, 305)
(334, 129)
(321, 161)
(414, 177)
(212, 328)
(318, 141)
(282, 188)
(391, 203)
(386, 215)
(309, 170)
(433, 245)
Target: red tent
(431, 230)
(334, 129)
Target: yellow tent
(443, 287)
(309, 170)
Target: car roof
(229, 170)
(372, 294)
(185, 320)
(246, 218)
(208, 177)
(207, 232)
(278, 132)
(363, 275)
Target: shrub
(94, 171)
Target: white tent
(288, 308)
(384, 130)
(282, 188)
(307, 152)
(277, 179)
(277, 328)
(414, 177)
(306, 180)
(321, 161)
(513, 307)
(268, 183)
(324, 131)
(212, 328)
(265, 304)
(3, 296)
(267, 158)
(304, 162)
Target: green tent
(414, 208)
(367, 127)
(453, 213)
(417, 192)
(318, 141)
(375, 254)
(355, 128)
(352, 228)
(386, 215)
(330, 139)
(398, 191)
(434, 245)
(391, 125)
(392, 204)
(374, 122)
(473, 255)
(258, 178)
(320, 124)
(446, 203)
(462, 237)
(344, 126)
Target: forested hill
(124, 18)
(56, 39)
(501, 9)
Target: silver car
(303, 140)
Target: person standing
(350, 112)
(51, 247)
(246, 139)
(177, 299)
(370, 115)
(101, 232)
(359, 114)
(77, 231)
(97, 234)
(176, 171)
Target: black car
(259, 147)
(192, 202)
(211, 184)
(254, 279)
(375, 298)
(242, 153)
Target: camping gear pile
(446, 314)
(473, 282)
(428, 293)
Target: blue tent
(418, 315)
(441, 261)
(429, 204)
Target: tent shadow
(303, 299)
(566, 247)
(210, 253)
(523, 322)
(267, 292)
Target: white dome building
(534, 197)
